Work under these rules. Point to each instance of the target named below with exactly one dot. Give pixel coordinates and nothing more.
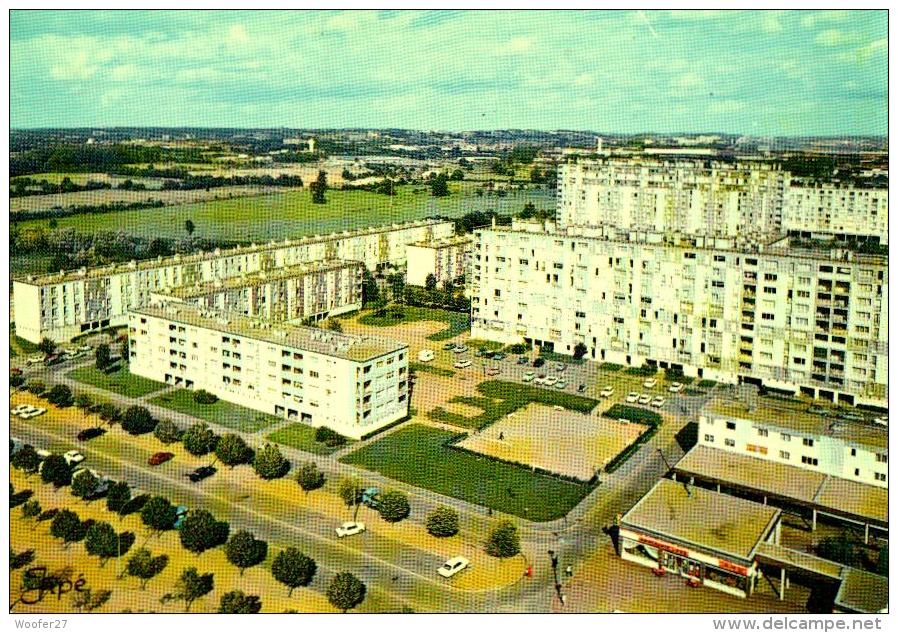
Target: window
(730, 442)
(762, 432)
(784, 454)
(709, 438)
(731, 426)
(786, 437)
(807, 441)
(882, 458)
(810, 461)
(879, 476)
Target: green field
(224, 413)
(501, 398)
(119, 381)
(418, 455)
(302, 437)
(292, 214)
(457, 322)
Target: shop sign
(736, 569)
(660, 545)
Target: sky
(744, 72)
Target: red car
(160, 458)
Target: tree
(231, 449)
(200, 531)
(110, 413)
(17, 560)
(579, 351)
(27, 460)
(158, 514)
(458, 174)
(103, 356)
(118, 495)
(504, 541)
(346, 591)
(334, 325)
(318, 188)
(199, 439)
(37, 387)
(393, 506)
(16, 380)
(56, 471)
(83, 401)
(293, 569)
(192, 585)
(60, 395)
(244, 550)
(430, 283)
(67, 526)
(31, 509)
(90, 599)
(443, 521)
(310, 478)
(238, 602)
(270, 463)
(144, 566)
(85, 484)
(439, 186)
(101, 540)
(46, 346)
(189, 226)
(167, 432)
(137, 420)
(350, 490)
(124, 350)
(397, 286)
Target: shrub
(329, 437)
(167, 432)
(36, 387)
(137, 421)
(60, 395)
(504, 541)
(202, 396)
(442, 522)
(393, 506)
(270, 463)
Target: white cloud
(237, 35)
(813, 19)
(688, 81)
(831, 37)
(863, 53)
(124, 72)
(584, 80)
(516, 45)
(771, 24)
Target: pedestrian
(563, 599)
(501, 435)
(569, 571)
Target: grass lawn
(431, 369)
(119, 381)
(418, 455)
(706, 384)
(456, 322)
(221, 412)
(634, 414)
(501, 398)
(301, 436)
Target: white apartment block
(316, 291)
(838, 447)
(713, 198)
(446, 259)
(61, 306)
(352, 384)
(836, 210)
(815, 323)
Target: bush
(60, 395)
(517, 348)
(199, 439)
(503, 541)
(329, 437)
(270, 463)
(202, 396)
(137, 421)
(16, 381)
(309, 477)
(645, 370)
(393, 506)
(443, 522)
(36, 387)
(167, 432)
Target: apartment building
(352, 384)
(316, 291)
(63, 305)
(831, 209)
(809, 321)
(446, 259)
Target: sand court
(564, 442)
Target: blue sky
(755, 72)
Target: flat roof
(346, 346)
(702, 518)
(800, 417)
(161, 262)
(257, 278)
(805, 487)
(863, 592)
(445, 241)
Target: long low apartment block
(352, 384)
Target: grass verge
(431, 369)
(640, 416)
(119, 381)
(220, 412)
(302, 437)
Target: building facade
(830, 209)
(815, 322)
(61, 306)
(314, 291)
(446, 259)
(352, 384)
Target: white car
(528, 376)
(84, 348)
(539, 380)
(607, 392)
(425, 355)
(350, 528)
(550, 381)
(42, 453)
(462, 364)
(644, 399)
(632, 397)
(651, 382)
(73, 457)
(453, 566)
(22, 408)
(676, 387)
(561, 384)
(460, 349)
(35, 359)
(658, 401)
(32, 413)
(560, 366)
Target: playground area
(560, 441)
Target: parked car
(498, 356)
(644, 399)
(658, 401)
(53, 359)
(449, 347)
(493, 371)
(480, 353)
(160, 458)
(649, 383)
(84, 348)
(561, 384)
(560, 366)
(460, 349)
(203, 472)
(22, 408)
(453, 566)
(102, 480)
(34, 359)
(539, 380)
(350, 528)
(632, 397)
(550, 381)
(462, 364)
(528, 376)
(89, 434)
(425, 355)
(181, 514)
(581, 388)
(73, 457)
(33, 412)
(538, 362)
(607, 392)
(522, 360)
(676, 387)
